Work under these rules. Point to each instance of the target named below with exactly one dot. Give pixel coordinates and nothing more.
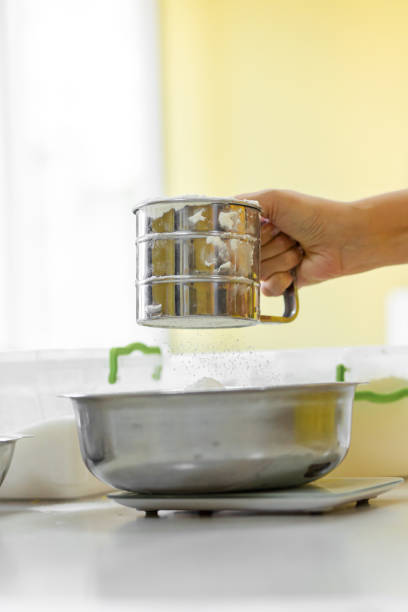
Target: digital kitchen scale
(320, 496)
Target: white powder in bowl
(205, 384)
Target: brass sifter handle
(291, 300)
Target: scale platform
(320, 496)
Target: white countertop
(99, 555)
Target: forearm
(378, 233)
(335, 238)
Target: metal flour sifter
(198, 261)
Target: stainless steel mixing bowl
(7, 444)
(215, 441)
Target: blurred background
(104, 103)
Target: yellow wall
(311, 96)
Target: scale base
(320, 496)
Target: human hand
(318, 237)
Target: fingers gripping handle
(291, 301)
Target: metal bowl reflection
(7, 444)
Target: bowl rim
(226, 390)
(6, 438)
